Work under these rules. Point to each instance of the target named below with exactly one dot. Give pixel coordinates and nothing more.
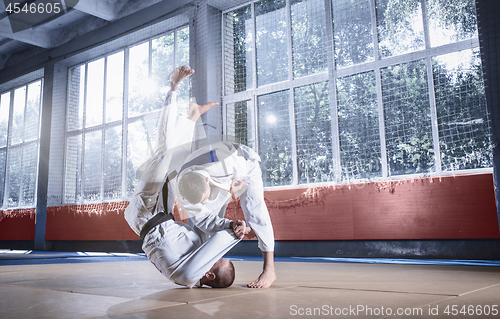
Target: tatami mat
(85, 285)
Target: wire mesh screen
(113, 163)
(18, 116)
(14, 180)
(19, 131)
(114, 89)
(407, 118)
(461, 110)
(163, 49)
(359, 132)
(240, 121)
(325, 90)
(73, 169)
(141, 138)
(4, 118)
(4, 127)
(271, 41)
(3, 158)
(150, 65)
(275, 144)
(238, 50)
(182, 58)
(138, 80)
(76, 97)
(22, 176)
(94, 107)
(167, 53)
(406, 82)
(29, 175)
(400, 26)
(32, 113)
(309, 35)
(451, 22)
(92, 166)
(353, 32)
(314, 138)
(124, 89)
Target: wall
(17, 224)
(489, 36)
(423, 208)
(452, 207)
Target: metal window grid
(124, 122)
(11, 147)
(333, 73)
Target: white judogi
(176, 250)
(222, 162)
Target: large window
(341, 90)
(19, 144)
(113, 107)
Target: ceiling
(25, 34)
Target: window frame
(251, 94)
(9, 147)
(124, 122)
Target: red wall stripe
(17, 224)
(102, 221)
(452, 207)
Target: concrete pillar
(488, 12)
(43, 166)
(207, 57)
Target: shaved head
(224, 274)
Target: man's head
(221, 275)
(194, 187)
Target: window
(359, 132)
(19, 143)
(342, 91)
(275, 141)
(113, 107)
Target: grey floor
(121, 286)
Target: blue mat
(29, 257)
(401, 261)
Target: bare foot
(179, 75)
(195, 110)
(265, 279)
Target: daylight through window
(343, 91)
